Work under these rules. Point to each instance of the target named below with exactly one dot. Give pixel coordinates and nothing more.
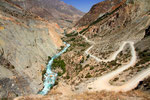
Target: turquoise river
(49, 76)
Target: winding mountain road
(102, 83)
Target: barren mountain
(26, 41)
(52, 10)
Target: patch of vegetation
(82, 61)
(59, 63)
(91, 68)
(88, 75)
(144, 57)
(72, 39)
(49, 58)
(82, 50)
(56, 82)
(88, 56)
(116, 79)
(60, 74)
(113, 63)
(69, 21)
(87, 65)
(62, 47)
(67, 77)
(83, 45)
(43, 72)
(72, 34)
(83, 30)
(99, 19)
(4, 98)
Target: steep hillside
(96, 11)
(127, 19)
(52, 10)
(111, 25)
(110, 51)
(26, 41)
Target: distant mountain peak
(52, 10)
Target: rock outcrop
(26, 41)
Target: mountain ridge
(52, 10)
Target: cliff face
(26, 41)
(52, 10)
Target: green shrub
(72, 39)
(83, 30)
(43, 72)
(59, 73)
(113, 63)
(83, 45)
(91, 68)
(88, 75)
(59, 63)
(82, 60)
(49, 58)
(87, 57)
(67, 77)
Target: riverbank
(49, 76)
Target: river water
(49, 76)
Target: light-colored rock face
(25, 44)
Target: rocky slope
(52, 10)
(128, 19)
(26, 41)
(123, 20)
(96, 11)
(108, 27)
(118, 21)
